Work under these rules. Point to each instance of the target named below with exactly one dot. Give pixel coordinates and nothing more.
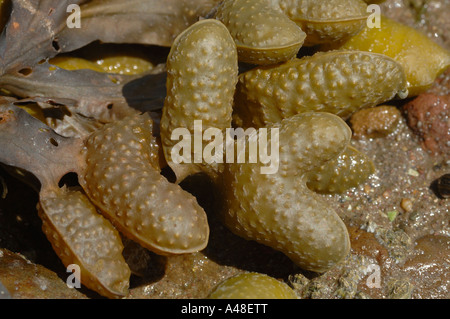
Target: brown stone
(428, 116)
(365, 243)
(428, 267)
(375, 122)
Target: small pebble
(443, 186)
(414, 216)
(391, 215)
(413, 172)
(400, 289)
(375, 122)
(406, 204)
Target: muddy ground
(398, 224)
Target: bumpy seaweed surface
(373, 239)
(123, 179)
(202, 74)
(263, 34)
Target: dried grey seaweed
(29, 144)
(37, 31)
(30, 34)
(93, 94)
(155, 22)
